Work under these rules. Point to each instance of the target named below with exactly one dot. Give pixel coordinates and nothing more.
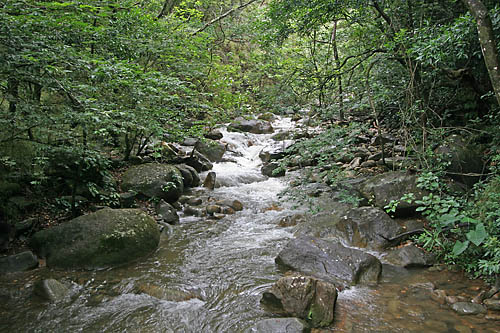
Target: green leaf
(477, 236)
(460, 247)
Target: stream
(226, 264)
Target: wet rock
(51, 290)
(305, 297)
(211, 149)
(163, 293)
(210, 181)
(106, 238)
(167, 212)
(127, 199)
(18, 262)
(276, 151)
(382, 189)
(197, 161)
(282, 136)
(25, 226)
(228, 210)
(454, 299)
(420, 291)
(467, 308)
(191, 211)
(234, 204)
(194, 201)
(330, 261)
(410, 256)
(492, 304)
(279, 325)
(291, 220)
(217, 216)
(463, 159)
(366, 227)
(190, 176)
(492, 316)
(272, 169)
(252, 126)
(439, 296)
(212, 209)
(154, 180)
(214, 134)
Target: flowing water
(226, 264)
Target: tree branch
(217, 19)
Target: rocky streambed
(233, 257)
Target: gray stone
(210, 180)
(365, 227)
(154, 180)
(191, 211)
(106, 238)
(410, 256)
(214, 134)
(382, 189)
(330, 261)
(25, 225)
(463, 158)
(190, 176)
(252, 126)
(167, 212)
(212, 209)
(18, 262)
(272, 170)
(51, 290)
(467, 308)
(211, 149)
(197, 161)
(304, 297)
(234, 204)
(127, 199)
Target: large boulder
(276, 151)
(154, 180)
(18, 262)
(198, 161)
(167, 212)
(410, 256)
(211, 149)
(330, 261)
(364, 227)
(279, 325)
(382, 189)
(106, 238)
(190, 176)
(252, 126)
(463, 159)
(272, 169)
(304, 297)
(51, 290)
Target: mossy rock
(106, 238)
(154, 180)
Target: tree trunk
(488, 42)
(167, 8)
(339, 77)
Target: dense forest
(86, 87)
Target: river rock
(467, 308)
(330, 261)
(276, 151)
(410, 256)
(18, 262)
(492, 304)
(213, 209)
(51, 290)
(190, 176)
(154, 180)
(167, 212)
(463, 158)
(382, 189)
(210, 180)
(214, 134)
(234, 204)
(279, 325)
(272, 170)
(252, 126)
(365, 227)
(305, 297)
(106, 238)
(198, 161)
(211, 149)
(191, 211)
(291, 220)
